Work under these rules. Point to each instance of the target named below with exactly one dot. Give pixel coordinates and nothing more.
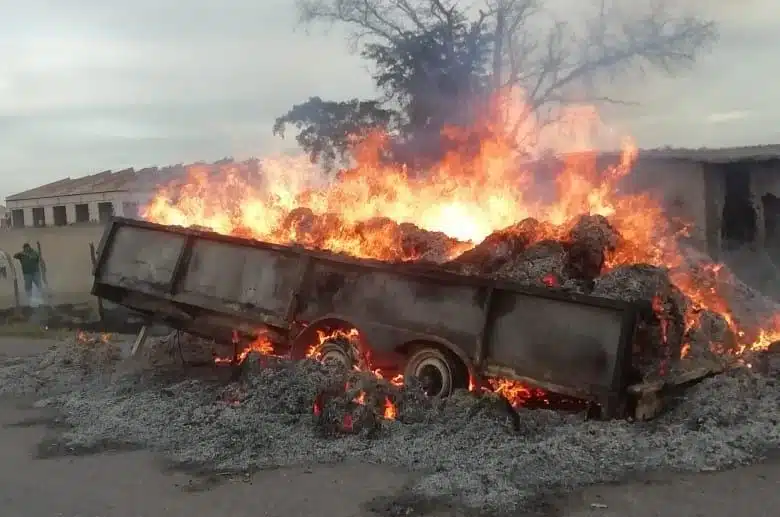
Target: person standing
(31, 269)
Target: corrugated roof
(106, 181)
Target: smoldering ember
(494, 448)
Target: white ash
(62, 366)
(750, 307)
(183, 348)
(464, 450)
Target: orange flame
(322, 337)
(516, 393)
(466, 196)
(261, 345)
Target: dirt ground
(136, 484)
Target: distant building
(90, 199)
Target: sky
(90, 85)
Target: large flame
(466, 196)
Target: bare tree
(556, 62)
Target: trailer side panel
(569, 344)
(394, 307)
(240, 278)
(140, 259)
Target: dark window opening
(60, 215)
(130, 209)
(39, 216)
(17, 218)
(82, 213)
(772, 221)
(105, 211)
(739, 214)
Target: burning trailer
(560, 337)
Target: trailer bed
(213, 284)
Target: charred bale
(426, 246)
(709, 336)
(589, 241)
(767, 362)
(661, 328)
(542, 264)
(498, 248)
(381, 234)
(310, 229)
(353, 404)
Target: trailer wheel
(338, 351)
(438, 372)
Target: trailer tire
(338, 350)
(439, 371)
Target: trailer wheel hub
(434, 376)
(336, 352)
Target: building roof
(716, 156)
(149, 178)
(106, 181)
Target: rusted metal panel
(569, 344)
(240, 278)
(140, 259)
(400, 300)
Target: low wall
(66, 253)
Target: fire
(261, 345)
(83, 337)
(466, 196)
(390, 410)
(516, 393)
(323, 337)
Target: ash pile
(465, 449)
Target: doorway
(739, 226)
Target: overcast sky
(89, 85)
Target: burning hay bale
(709, 334)
(542, 264)
(309, 229)
(381, 235)
(498, 248)
(661, 331)
(425, 246)
(767, 362)
(589, 241)
(540, 254)
(355, 403)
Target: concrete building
(729, 197)
(90, 199)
